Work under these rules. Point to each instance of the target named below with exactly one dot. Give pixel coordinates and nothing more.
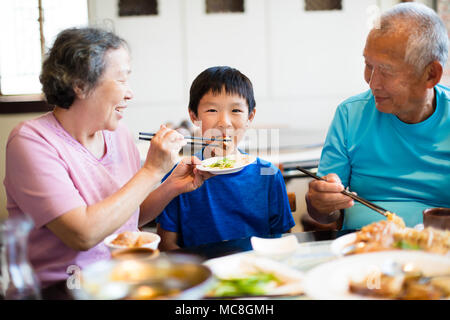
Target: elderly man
(391, 144)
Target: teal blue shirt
(404, 168)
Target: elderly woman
(76, 171)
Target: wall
(301, 64)
(7, 123)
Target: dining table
(313, 249)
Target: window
(137, 7)
(221, 6)
(321, 5)
(29, 27)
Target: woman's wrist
(153, 172)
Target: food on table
(132, 239)
(230, 162)
(238, 276)
(395, 218)
(159, 280)
(388, 235)
(145, 292)
(259, 283)
(413, 285)
(224, 163)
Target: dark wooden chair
(292, 201)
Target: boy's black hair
(216, 79)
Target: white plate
(275, 248)
(239, 167)
(152, 245)
(340, 243)
(243, 264)
(330, 281)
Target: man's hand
(324, 199)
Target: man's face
(397, 88)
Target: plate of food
(246, 275)
(167, 277)
(132, 239)
(386, 235)
(228, 164)
(402, 275)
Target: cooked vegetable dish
(256, 284)
(404, 286)
(224, 163)
(387, 235)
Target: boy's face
(223, 115)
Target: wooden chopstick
(365, 202)
(188, 137)
(190, 142)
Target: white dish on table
(338, 245)
(242, 161)
(275, 248)
(153, 239)
(330, 281)
(242, 265)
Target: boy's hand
(186, 178)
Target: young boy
(229, 206)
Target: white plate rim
(230, 261)
(201, 167)
(338, 244)
(152, 245)
(326, 281)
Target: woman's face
(108, 100)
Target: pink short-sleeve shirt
(49, 173)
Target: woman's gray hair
(77, 58)
(428, 39)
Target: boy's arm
(168, 239)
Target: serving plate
(330, 281)
(240, 165)
(153, 241)
(242, 265)
(338, 245)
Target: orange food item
(131, 239)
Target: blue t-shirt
(402, 167)
(251, 202)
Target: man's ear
(433, 73)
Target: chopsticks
(191, 138)
(365, 202)
(148, 137)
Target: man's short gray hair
(428, 39)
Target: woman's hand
(164, 150)
(185, 177)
